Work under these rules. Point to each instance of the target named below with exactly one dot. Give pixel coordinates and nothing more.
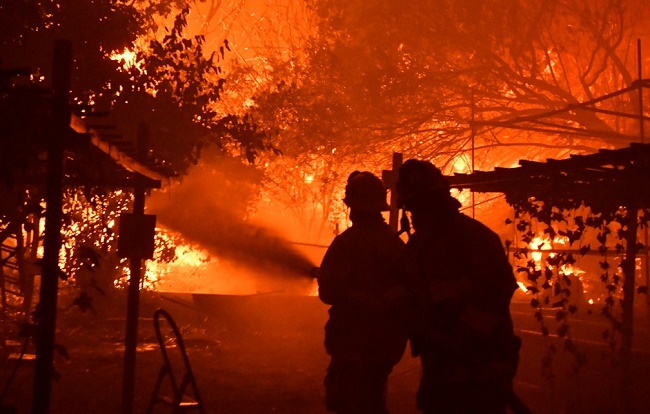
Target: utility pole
(628, 265)
(46, 318)
(135, 242)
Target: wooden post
(640, 81)
(136, 242)
(473, 128)
(133, 305)
(390, 180)
(52, 239)
(628, 265)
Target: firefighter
(463, 281)
(366, 334)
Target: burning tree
(383, 77)
(170, 79)
(328, 81)
(135, 58)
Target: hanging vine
(549, 278)
(550, 274)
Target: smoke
(208, 207)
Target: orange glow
(314, 288)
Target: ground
(257, 354)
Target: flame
(522, 286)
(127, 57)
(462, 164)
(187, 259)
(539, 246)
(193, 269)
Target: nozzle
(315, 272)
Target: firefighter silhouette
(463, 284)
(366, 332)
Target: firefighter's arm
(444, 290)
(333, 275)
(490, 298)
(480, 322)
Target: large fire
(542, 247)
(186, 261)
(182, 266)
(89, 238)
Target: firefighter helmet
(365, 191)
(420, 179)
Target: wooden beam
(116, 152)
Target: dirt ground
(258, 354)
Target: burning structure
(62, 151)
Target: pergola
(609, 178)
(605, 180)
